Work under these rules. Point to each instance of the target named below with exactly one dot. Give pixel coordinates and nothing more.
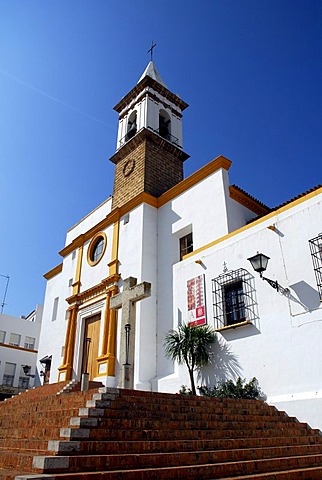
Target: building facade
(19, 339)
(191, 239)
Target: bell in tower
(149, 156)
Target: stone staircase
(114, 434)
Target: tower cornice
(149, 82)
(146, 134)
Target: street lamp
(259, 263)
(26, 370)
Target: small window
(234, 300)
(96, 249)
(186, 245)
(316, 253)
(55, 308)
(131, 126)
(9, 374)
(70, 282)
(74, 255)
(30, 343)
(14, 339)
(2, 336)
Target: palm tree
(190, 346)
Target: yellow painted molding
(236, 325)
(77, 284)
(54, 271)
(270, 215)
(14, 347)
(211, 167)
(113, 264)
(106, 285)
(247, 201)
(91, 247)
(111, 218)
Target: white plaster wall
(202, 210)
(86, 223)
(282, 348)
(52, 335)
(23, 327)
(138, 257)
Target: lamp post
(259, 263)
(127, 365)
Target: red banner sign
(196, 301)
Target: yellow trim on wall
(77, 283)
(255, 222)
(244, 199)
(54, 271)
(201, 174)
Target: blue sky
(251, 71)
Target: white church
(198, 248)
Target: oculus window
(96, 249)
(234, 299)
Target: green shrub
(229, 389)
(184, 390)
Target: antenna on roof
(153, 45)
(5, 291)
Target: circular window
(96, 248)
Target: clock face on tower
(128, 167)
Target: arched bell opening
(164, 125)
(131, 126)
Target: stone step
(152, 434)
(246, 469)
(75, 463)
(115, 447)
(196, 424)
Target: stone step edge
(57, 476)
(65, 446)
(55, 462)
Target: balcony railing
(166, 135)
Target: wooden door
(90, 345)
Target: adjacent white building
(191, 239)
(19, 339)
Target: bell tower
(149, 156)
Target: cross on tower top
(153, 45)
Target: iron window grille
(234, 298)
(23, 382)
(8, 380)
(316, 253)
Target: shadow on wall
(309, 297)
(223, 365)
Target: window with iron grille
(316, 253)
(234, 299)
(23, 382)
